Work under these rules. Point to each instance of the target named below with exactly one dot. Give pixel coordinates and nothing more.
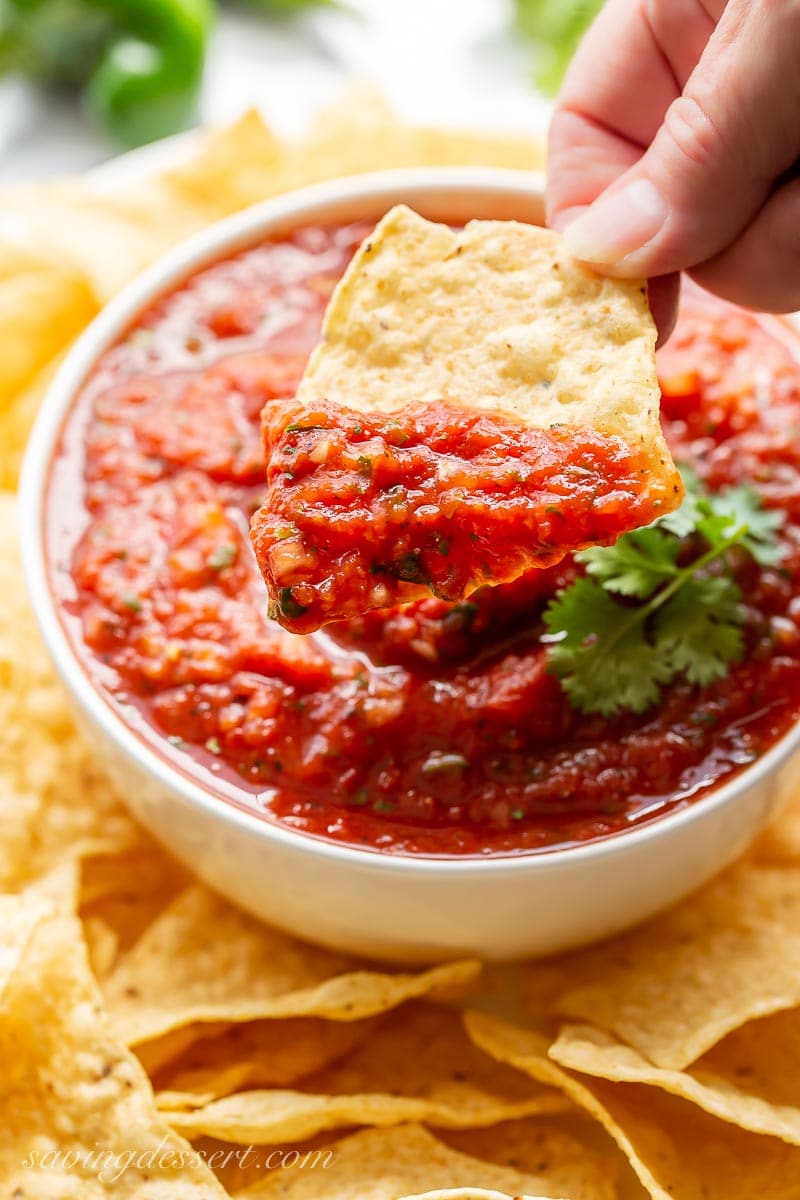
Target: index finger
(617, 90)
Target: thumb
(713, 162)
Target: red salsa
(366, 512)
(432, 728)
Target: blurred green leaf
(285, 8)
(555, 27)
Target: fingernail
(618, 224)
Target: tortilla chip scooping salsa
(481, 404)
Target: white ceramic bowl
(410, 909)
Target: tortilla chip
(677, 985)
(18, 923)
(55, 803)
(16, 422)
(465, 1194)
(44, 303)
(743, 1080)
(418, 1066)
(534, 1145)
(102, 944)
(128, 890)
(780, 841)
(254, 1054)
(677, 1150)
(107, 239)
(204, 960)
(360, 132)
(233, 168)
(76, 1110)
(60, 885)
(495, 317)
(380, 1164)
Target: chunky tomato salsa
(366, 512)
(434, 728)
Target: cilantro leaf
(698, 629)
(636, 565)
(603, 666)
(647, 613)
(744, 507)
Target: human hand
(683, 118)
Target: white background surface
(456, 62)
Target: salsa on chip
(481, 403)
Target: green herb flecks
(303, 428)
(409, 568)
(222, 556)
(288, 606)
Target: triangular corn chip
(481, 403)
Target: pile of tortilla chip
(158, 1044)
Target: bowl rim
(218, 241)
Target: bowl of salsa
(413, 781)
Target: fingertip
(560, 219)
(615, 231)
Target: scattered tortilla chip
(744, 1079)
(204, 960)
(76, 1111)
(380, 1164)
(16, 422)
(44, 303)
(677, 1150)
(674, 987)
(107, 239)
(128, 890)
(60, 885)
(55, 803)
(533, 1144)
(246, 163)
(18, 923)
(465, 1194)
(102, 944)
(359, 132)
(418, 1066)
(233, 168)
(159, 1053)
(448, 358)
(253, 1054)
(780, 841)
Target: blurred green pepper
(140, 61)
